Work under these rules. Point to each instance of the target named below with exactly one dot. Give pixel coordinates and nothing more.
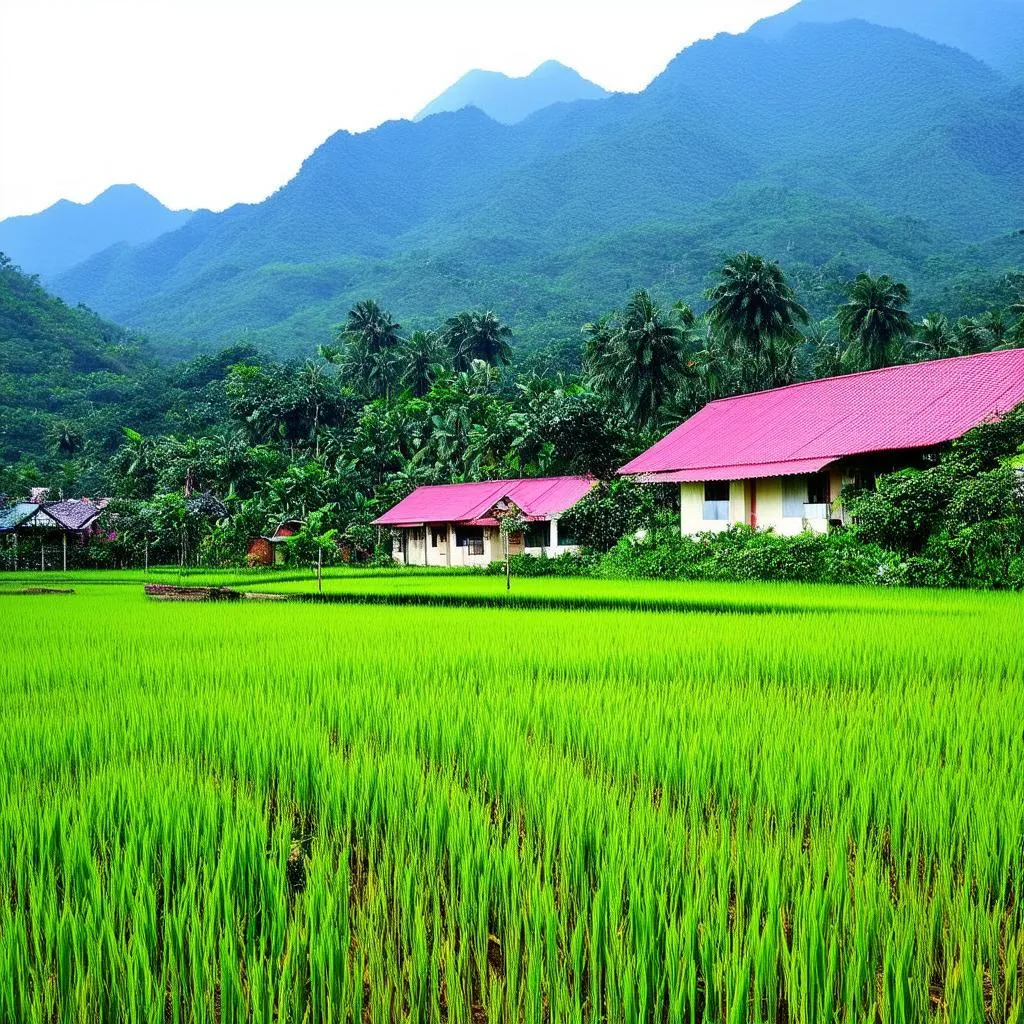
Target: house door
(753, 504)
(439, 546)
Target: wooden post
(319, 570)
(42, 557)
(508, 566)
(146, 558)
(64, 541)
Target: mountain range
(67, 233)
(832, 145)
(511, 100)
(990, 30)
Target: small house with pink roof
(460, 524)
(780, 459)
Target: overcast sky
(209, 102)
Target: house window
(819, 489)
(538, 535)
(398, 542)
(794, 494)
(865, 479)
(471, 538)
(438, 535)
(716, 500)
(567, 537)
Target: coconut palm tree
(371, 338)
(639, 357)
(827, 353)
(66, 438)
(422, 358)
(472, 336)
(370, 326)
(874, 321)
(753, 304)
(974, 334)
(997, 326)
(934, 338)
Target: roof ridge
(916, 405)
(866, 373)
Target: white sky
(209, 102)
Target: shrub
(567, 564)
(609, 512)
(741, 553)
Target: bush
(528, 566)
(741, 553)
(905, 508)
(609, 512)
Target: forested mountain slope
(991, 30)
(511, 100)
(848, 141)
(68, 378)
(67, 233)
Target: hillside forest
(831, 148)
(339, 436)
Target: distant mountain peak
(991, 31)
(511, 100)
(66, 233)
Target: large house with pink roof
(459, 524)
(780, 459)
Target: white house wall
(449, 554)
(769, 507)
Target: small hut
(269, 550)
(39, 533)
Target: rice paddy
(811, 811)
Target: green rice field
(608, 803)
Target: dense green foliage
(960, 522)
(58, 366)
(282, 812)
(70, 381)
(337, 439)
(836, 149)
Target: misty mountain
(990, 30)
(67, 233)
(834, 148)
(510, 100)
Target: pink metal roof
(542, 498)
(804, 427)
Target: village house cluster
(776, 460)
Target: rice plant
(339, 812)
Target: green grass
(305, 812)
(416, 586)
(257, 578)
